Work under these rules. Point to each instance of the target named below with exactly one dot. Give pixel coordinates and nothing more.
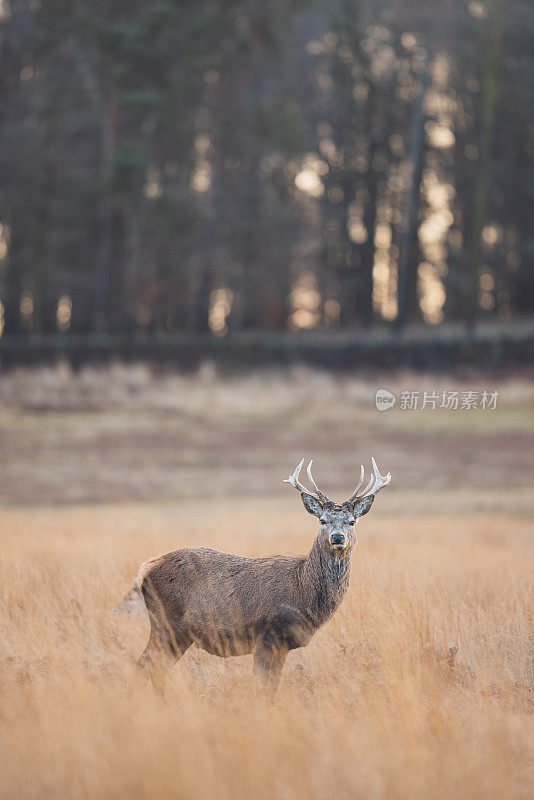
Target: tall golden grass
(420, 687)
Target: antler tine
(320, 494)
(369, 485)
(296, 484)
(354, 495)
(376, 483)
(379, 480)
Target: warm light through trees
(280, 165)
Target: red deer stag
(233, 605)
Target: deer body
(232, 605)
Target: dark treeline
(264, 164)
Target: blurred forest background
(201, 167)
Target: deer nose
(337, 538)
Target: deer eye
(351, 522)
(322, 521)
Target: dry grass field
(421, 686)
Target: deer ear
(361, 507)
(312, 505)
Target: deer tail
(133, 601)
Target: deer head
(338, 521)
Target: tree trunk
(364, 297)
(407, 264)
(492, 55)
(44, 309)
(101, 285)
(202, 303)
(13, 285)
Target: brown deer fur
(232, 605)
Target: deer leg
(159, 656)
(269, 658)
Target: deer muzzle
(337, 540)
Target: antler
(376, 483)
(322, 497)
(294, 481)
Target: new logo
(384, 399)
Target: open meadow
(422, 684)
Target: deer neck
(325, 579)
